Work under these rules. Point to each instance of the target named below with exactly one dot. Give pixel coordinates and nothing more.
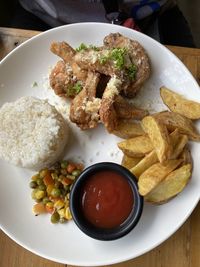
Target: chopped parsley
(83, 47)
(74, 90)
(34, 84)
(117, 55)
(131, 71)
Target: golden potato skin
(171, 186)
(178, 104)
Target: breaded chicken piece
(84, 109)
(126, 110)
(62, 80)
(138, 57)
(67, 53)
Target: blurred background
(190, 9)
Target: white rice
(32, 133)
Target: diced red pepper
(48, 180)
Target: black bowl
(76, 206)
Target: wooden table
(182, 249)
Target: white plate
(30, 63)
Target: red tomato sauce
(107, 199)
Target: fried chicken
(121, 62)
(84, 109)
(137, 56)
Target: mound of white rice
(32, 133)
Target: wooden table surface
(181, 249)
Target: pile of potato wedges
(156, 149)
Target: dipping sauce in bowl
(107, 199)
(104, 201)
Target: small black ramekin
(76, 209)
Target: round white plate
(30, 63)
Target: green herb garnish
(81, 47)
(74, 89)
(131, 71)
(117, 55)
(93, 47)
(34, 84)
(77, 87)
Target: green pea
(76, 173)
(39, 181)
(33, 184)
(55, 192)
(45, 200)
(42, 187)
(55, 217)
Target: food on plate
(159, 137)
(129, 162)
(177, 103)
(144, 164)
(84, 109)
(174, 120)
(119, 56)
(186, 156)
(126, 110)
(136, 146)
(32, 133)
(155, 174)
(51, 189)
(165, 169)
(171, 186)
(128, 128)
(63, 82)
(178, 142)
(99, 79)
(66, 78)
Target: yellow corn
(59, 204)
(49, 189)
(35, 177)
(43, 173)
(39, 194)
(68, 215)
(61, 212)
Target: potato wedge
(137, 146)
(159, 137)
(129, 162)
(144, 163)
(177, 103)
(128, 129)
(172, 185)
(186, 156)
(149, 179)
(174, 120)
(178, 142)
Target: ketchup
(107, 199)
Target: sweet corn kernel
(59, 204)
(39, 194)
(61, 212)
(68, 215)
